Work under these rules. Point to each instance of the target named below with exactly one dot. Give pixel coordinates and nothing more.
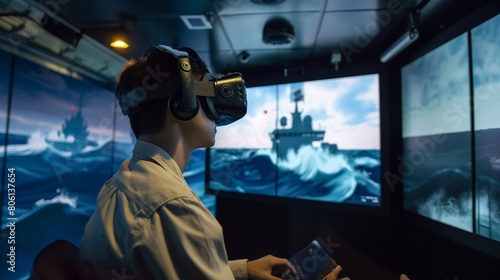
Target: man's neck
(174, 146)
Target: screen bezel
(387, 122)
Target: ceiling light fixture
(404, 41)
(119, 38)
(119, 44)
(278, 31)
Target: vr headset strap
(142, 95)
(204, 88)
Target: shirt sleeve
(182, 240)
(239, 269)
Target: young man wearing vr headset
(148, 223)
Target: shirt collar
(157, 154)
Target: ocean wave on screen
(309, 162)
(449, 210)
(62, 198)
(194, 172)
(324, 187)
(47, 156)
(445, 196)
(329, 177)
(363, 179)
(311, 173)
(367, 162)
(49, 220)
(35, 145)
(39, 174)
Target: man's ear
(176, 109)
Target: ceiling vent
(278, 31)
(196, 22)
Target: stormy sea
(311, 173)
(440, 182)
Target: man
(148, 223)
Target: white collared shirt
(150, 225)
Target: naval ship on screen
(300, 134)
(73, 136)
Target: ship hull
(287, 139)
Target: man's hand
(268, 268)
(335, 273)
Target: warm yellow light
(119, 44)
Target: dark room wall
(367, 245)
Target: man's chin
(208, 145)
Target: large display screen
(5, 62)
(65, 137)
(486, 77)
(450, 130)
(314, 140)
(57, 158)
(437, 135)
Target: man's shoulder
(150, 185)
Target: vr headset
(223, 100)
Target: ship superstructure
(301, 132)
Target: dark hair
(148, 117)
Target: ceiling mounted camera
(278, 31)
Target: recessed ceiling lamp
(278, 31)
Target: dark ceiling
(360, 30)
